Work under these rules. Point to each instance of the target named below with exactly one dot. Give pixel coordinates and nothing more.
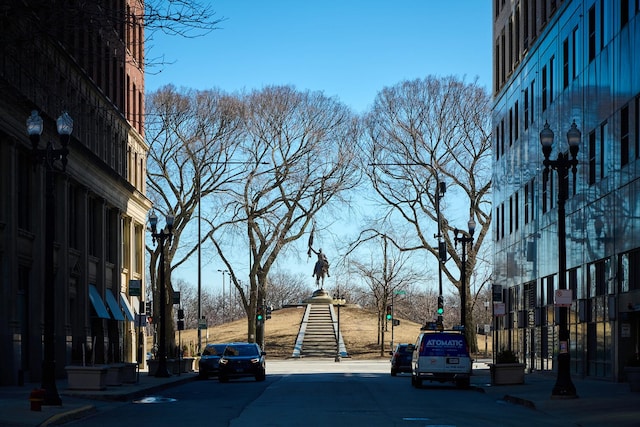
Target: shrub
(506, 356)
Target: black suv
(401, 359)
(242, 360)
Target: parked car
(441, 356)
(401, 359)
(242, 359)
(210, 360)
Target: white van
(441, 356)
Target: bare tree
(286, 288)
(192, 137)
(307, 141)
(423, 132)
(385, 275)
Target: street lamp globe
(472, 226)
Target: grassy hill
(358, 327)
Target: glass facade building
(557, 62)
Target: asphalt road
(318, 393)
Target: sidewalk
(599, 402)
(15, 407)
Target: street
(318, 393)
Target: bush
(506, 356)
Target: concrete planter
(130, 373)
(87, 377)
(507, 373)
(633, 377)
(115, 374)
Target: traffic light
(260, 314)
(440, 306)
(147, 308)
(268, 316)
(389, 314)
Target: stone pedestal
(320, 296)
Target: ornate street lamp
(163, 236)
(563, 387)
(463, 272)
(48, 156)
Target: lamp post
(48, 157)
(163, 236)
(224, 304)
(563, 387)
(338, 299)
(463, 271)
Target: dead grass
(358, 327)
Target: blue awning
(113, 305)
(97, 303)
(126, 307)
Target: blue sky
(348, 49)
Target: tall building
(560, 62)
(85, 58)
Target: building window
(511, 217)
(517, 211)
(624, 136)
(592, 33)
(139, 249)
(551, 61)
(502, 138)
(526, 109)
(592, 157)
(544, 88)
(532, 113)
(602, 146)
(516, 121)
(624, 13)
(525, 24)
(126, 243)
(510, 127)
(574, 53)
(565, 63)
(637, 126)
(502, 223)
(526, 203)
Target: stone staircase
(317, 335)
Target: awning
(126, 307)
(113, 305)
(97, 303)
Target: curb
(71, 415)
(519, 401)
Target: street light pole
(463, 271)
(163, 236)
(47, 157)
(563, 387)
(224, 304)
(338, 299)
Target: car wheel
(463, 383)
(223, 379)
(203, 375)
(393, 372)
(260, 377)
(416, 382)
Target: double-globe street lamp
(563, 387)
(164, 239)
(48, 157)
(464, 239)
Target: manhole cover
(155, 399)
